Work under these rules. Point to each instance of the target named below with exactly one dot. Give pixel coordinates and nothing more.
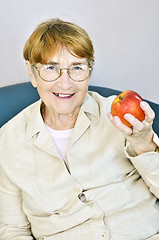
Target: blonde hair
(53, 34)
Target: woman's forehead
(63, 55)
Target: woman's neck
(58, 121)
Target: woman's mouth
(61, 95)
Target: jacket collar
(90, 105)
(35, 122)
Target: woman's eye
(77, 68)
(51, 67)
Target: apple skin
(127, 102)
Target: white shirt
(62, 140)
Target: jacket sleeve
(147, 165)
(14, 224)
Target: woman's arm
(148, 167)
(14, 224)
(140, 136)
(140, 146)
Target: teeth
(63, 96)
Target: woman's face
(63, 96)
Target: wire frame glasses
(51, 72)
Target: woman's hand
(140, 135)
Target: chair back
(15, 98)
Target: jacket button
(105, 234)
(82, 197)
(77, 189)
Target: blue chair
(15, 98)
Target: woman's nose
(64, 80)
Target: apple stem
(120, 98)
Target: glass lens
(79, 72)
(49, 72)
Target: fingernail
(127, 115)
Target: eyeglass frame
(60, 73)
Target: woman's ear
(31, 74)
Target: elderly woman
(69, 170)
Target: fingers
(117, 123)
(138, 128)
(149, 116)
(149, 113)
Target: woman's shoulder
(104, 103)
(20, 120)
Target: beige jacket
(106, 194)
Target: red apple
(127, 102)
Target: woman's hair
(53, 34)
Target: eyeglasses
(51, 72)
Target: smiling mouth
(60, 95)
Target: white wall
(125, 34)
